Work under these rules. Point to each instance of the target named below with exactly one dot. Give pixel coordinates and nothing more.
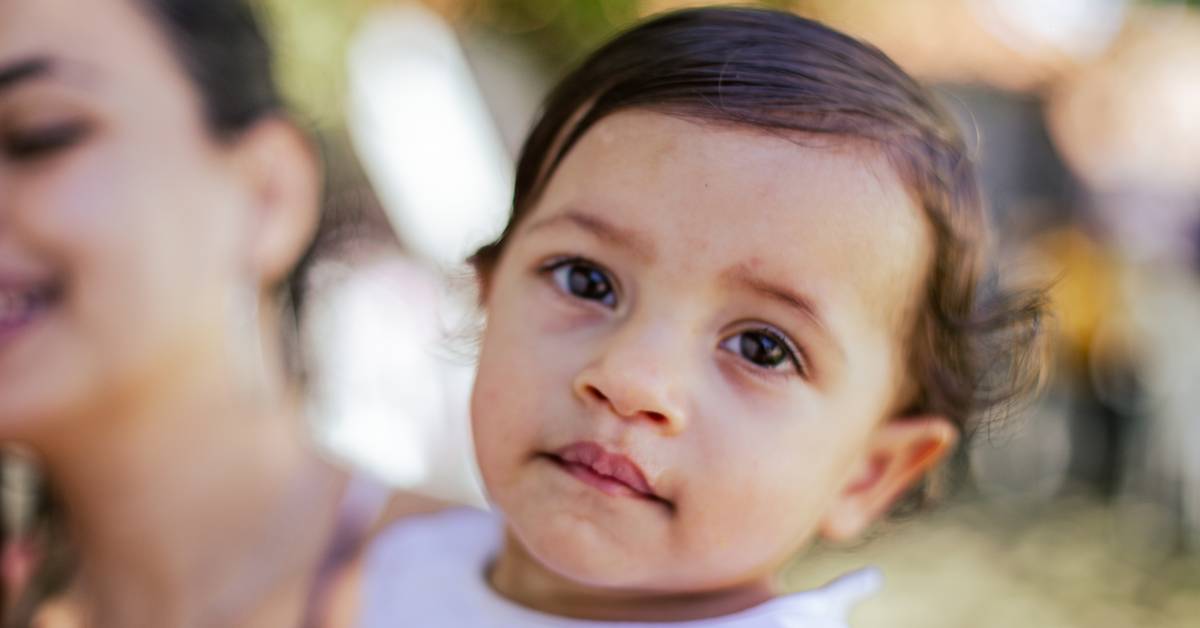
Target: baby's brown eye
(585, 281)
(764, 348)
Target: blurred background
(1081, 510)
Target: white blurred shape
(424, 134)
(389, 394)
(1130, 123)
(1079, 29)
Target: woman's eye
(763, 348)
(43, 142)
(585, 281)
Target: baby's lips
(613, 465)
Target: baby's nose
(637, 379)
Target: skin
(153, 385)
(160, 238)
(698, 231)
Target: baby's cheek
(485, 397)
(753, 515)
(506, 406)
(494, 400)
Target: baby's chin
(638, 559)
(586, 554)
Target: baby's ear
(898, 454)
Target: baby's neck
(520, 578)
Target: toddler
(734, 310)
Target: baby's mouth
(613, 474)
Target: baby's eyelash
(582, 279)
(795, 353)
(779, 349)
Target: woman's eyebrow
(24, 70)
(631, 241)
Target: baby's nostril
(596, 394)
(657, 417)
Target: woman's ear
(898, 454)
(282, 173)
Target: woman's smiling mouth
(612, 474)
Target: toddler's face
(693, 340)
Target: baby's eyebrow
(636, 244)
(744, 276)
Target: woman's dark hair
(222, 47)
(779, 73)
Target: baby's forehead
(832, 214)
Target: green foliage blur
(311, 36)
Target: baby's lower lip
(604, 484)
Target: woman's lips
(613, 474)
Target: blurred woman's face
(123, 222)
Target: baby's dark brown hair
(968, 352)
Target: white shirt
(429, 572)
